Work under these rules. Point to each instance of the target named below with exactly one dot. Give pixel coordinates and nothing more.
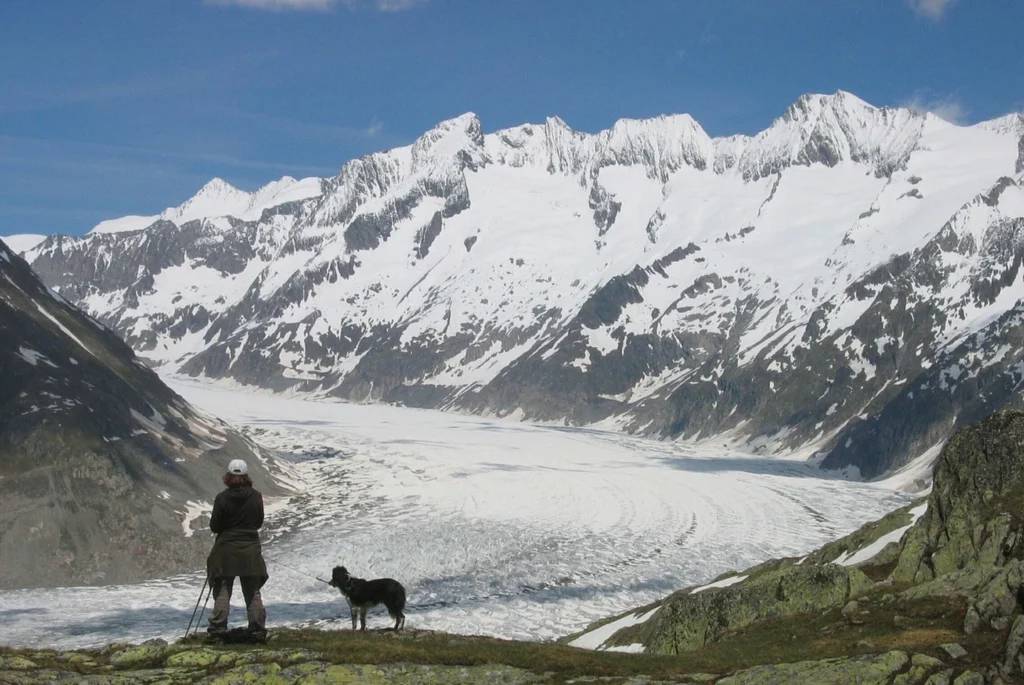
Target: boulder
(969, 678)
(921, 669)
(16, 663)
(942, 678)
(1014, 642)
(133, 657)
(201, 657)
(996, 601)
(954, 651)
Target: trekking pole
(208, 593)
(198, 599)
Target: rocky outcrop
(975, 511)
(690, 620)
(950, 565)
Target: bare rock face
(98, 458)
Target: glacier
(495, 527)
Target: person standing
(236, 520)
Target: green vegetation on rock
(976, 508)
(688, 621)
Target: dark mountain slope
(98, 458)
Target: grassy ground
(428, 647)
(884, 623)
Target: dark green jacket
(236, 519)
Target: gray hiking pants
(222, 603)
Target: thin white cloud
(306, 130)
(397, 5)
(933, 9)
(949, 108)
(321, 5)
(280, 5)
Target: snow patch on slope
(596, 638)
(855, 557)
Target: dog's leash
(292, 568)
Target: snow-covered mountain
(220, 199)
(846, 279)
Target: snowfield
(495, 527)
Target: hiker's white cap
(238, 467)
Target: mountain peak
(1009, 123)
(218, 187)
(810, 106)
(556, 122)
(662, 144)
(447, 140)
(662, 122)
(829, 129)
(467, 124)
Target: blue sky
(114, 107)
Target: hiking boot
(257, 637)
(216, 637)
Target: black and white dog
(363, 595)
